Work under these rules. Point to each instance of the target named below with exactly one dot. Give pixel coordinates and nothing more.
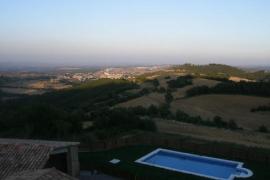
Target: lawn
(128, 169)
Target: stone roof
(53, 144)
(17, 155)
(42, 174)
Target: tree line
(180, 82)
(221, 71)
(164, 112)
(261, 108)
(230, 87)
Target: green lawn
(131, 170)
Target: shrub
(168, 97)
(263, 129)
(144, 91)
(155, 82)
(246, 88)
(161, 90)
(232, 125)
(152, 110)
(180, 82)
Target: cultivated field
(236, 107)
(145, 101)
(158, 98)
(229, 107)
(209, 133)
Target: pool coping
(231, 177)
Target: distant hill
(220, 70)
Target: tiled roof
(53, 144)
(20, 157)
(17, 155)
(43, 174)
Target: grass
(248, 138)
(131, 170)
(157, 98)
(228, 107)
(127, 166)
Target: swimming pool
(204, 166)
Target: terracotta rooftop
(42, 174)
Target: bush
(263, 129)
(180, 82)
(181, 116)
(261, 108)
(232, 125)
(219, 122)
(152, 110)
(144, 91)
(168, 97)
(161, 90)
(164, 110)
(118, 120)
(155, 82)
(147, 124)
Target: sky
(123, 32)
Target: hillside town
(40, 82)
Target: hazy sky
(104, 32)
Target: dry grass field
(157, 98)
(180, 93)
(23, 91)
(145, 101)
(236, 107)
(215, 134)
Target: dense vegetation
(168, 97)
(108, 123)
(180, 82)
(220, 71)
(60, 114)
(263, 129)
(245, 88)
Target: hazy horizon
(121, 32)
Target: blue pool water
(194, 164)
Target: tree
(161, 90)
(144, 91)
(232, 125)
(263, 129)
(168, 97)
(155, 82)
(164, 110)
(180, 82)
(219, 122)
(153, 110)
